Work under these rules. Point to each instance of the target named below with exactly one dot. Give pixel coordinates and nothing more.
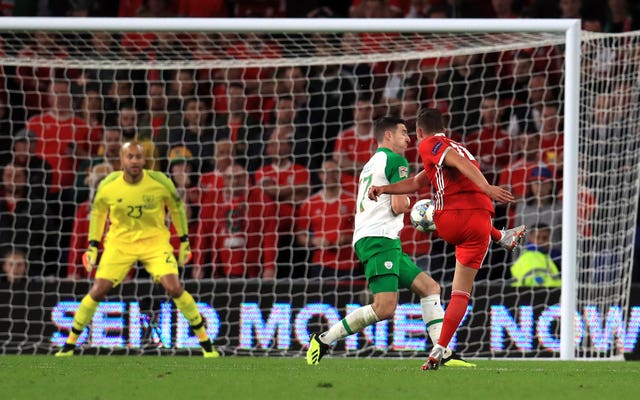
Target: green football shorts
(387, 267)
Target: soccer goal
(549, 112)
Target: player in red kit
(463, 212)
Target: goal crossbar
(286, 25)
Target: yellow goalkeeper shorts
(156, 256)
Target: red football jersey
(357, 148)
(212, 181)
(492, 149)
(514, 176)
(202, 9)
(492, 144)
(454, 191)
(237, 234)
(291, 175)
(56, 138)
(79, 242)
(330, 219)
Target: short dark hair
(191, 99)
(383, 124)
(126, 104)
(92, 86)
(430, 120)
(365, 96)
(285, 97)
(237, 85)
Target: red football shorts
(469, 231)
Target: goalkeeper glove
(184, 254)
(90, 257)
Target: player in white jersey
(377, 245)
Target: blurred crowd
(610, 15)
(266, 159)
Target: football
(422, 215)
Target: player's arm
(303, 224)
(174, 203)
(397, 171)
(301, 189)
(406, 186)
(97, 220)
(400, 204)
(178, 215)
(99, 212)
(269, 239)
(454, 160)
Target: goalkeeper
(134, 199)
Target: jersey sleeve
(259, 175)
(303, 217)
(433, 150)
(338, 147)
(397, 168)
(269, 236)
(100, 209)
(173, 202)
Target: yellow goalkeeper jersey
(136, 211)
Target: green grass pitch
(147, 377)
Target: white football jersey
(375, 218)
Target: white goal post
(565, 33)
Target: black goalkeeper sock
(199, 325)
(67, 347)
(206, 345)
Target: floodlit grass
(146, 377)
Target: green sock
(432, 315)
(352, 323)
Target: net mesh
(608, 188)
(134, 50)
(279, 114)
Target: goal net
(263, 134)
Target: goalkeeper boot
(211, 352)
(208, 351)
(452, 359)
(512, 237)
(66, 350)
(317, 349)
(434, 360)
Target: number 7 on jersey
(365, 182)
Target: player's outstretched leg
(512, 237)
(435, 358)
(433, 316)
(83, 316)
(208, 351)
(317, 349)
(70, 346)
(187, 305)
(352, 323)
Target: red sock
(495, 234)
(455, 312)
